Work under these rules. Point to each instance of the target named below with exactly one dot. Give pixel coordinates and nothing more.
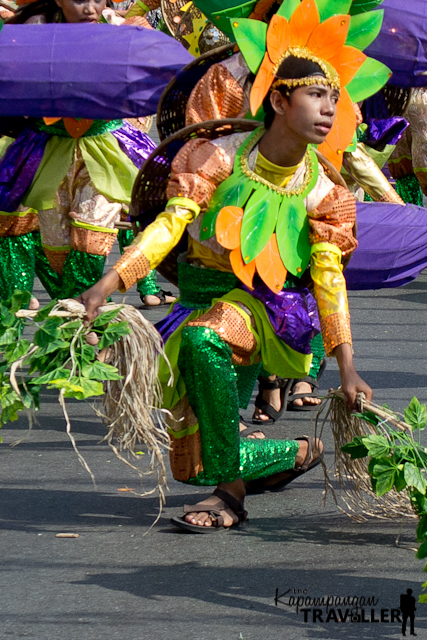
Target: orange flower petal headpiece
(324, 32)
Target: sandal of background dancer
(250, 430)
(312, 459)
(227, 502)
(161, 295)
(285, 385)
(314, 383)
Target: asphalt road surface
(121, 579)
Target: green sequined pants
(211, 383)
(409, 189)
(147, 286)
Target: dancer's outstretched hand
(97, 295)
(351, 382)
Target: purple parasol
(392, 247)
(87, 71)
(402, 42)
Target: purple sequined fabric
(385, 131)
(134, 143)
(18, 167)
(292, 313)
(172, 321)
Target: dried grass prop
(354, 475)
(114, 357)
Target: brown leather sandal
(228, 502)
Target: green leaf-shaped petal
(329, 8)
(233, 191)
(251, 36)
(259, 221)
(221, 18)
(292, 235)
(369, 79)
(287, 8)
(364, 28)
(361, 6)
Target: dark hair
(48, 8)
(291, 68)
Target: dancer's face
(308, 113)
(81, 10)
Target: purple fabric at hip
(18, 167)
(292, 313)
(385, 131)
(172, 321)
(392, 247)
(96, 71)
(134, 143)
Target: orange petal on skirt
(77, 128)
(245, 272)
(50, 121)
(227, 227)
(262, 84)
(303, 22)
(270, 266)
(329, 37)
(277, 37)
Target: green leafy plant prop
(397, 459)
(114, 357)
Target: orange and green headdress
(322, 31)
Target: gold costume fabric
(369, 176)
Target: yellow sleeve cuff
(325, 246)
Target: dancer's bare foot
(156, 301)
(304, 387)
(204, 519)
(255, 435)
(34, 304)
(299, 461)
(272, 397)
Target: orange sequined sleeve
(331, 237)
(197, 170)
(217, 95)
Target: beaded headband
(326, 33)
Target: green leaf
(364, 28)
(399, 481)
(329, 8)
(422, 598)
(259, 221)
(369, 79)
(112, 333)
(106, 317)
(47, 332)
(368, 416)
(384, 474)
(51, 375)
(101, 371)
(9, 336)
(54, 345)
(287, 8)
(233, 191)
(416, 414)
(414, 478)
(251, 36)
(292, 235)
(378, 446)
(44, 312)
(355, 448)
(87, 354)
(15, 351)
(422, 528)
(19, 300)
(223, 18)
(8, 319)
(91, 388)
(360, 6)
(422, 552)
(419, 502)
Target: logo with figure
(408, 608)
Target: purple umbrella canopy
(402, 42)
(86, 71)
(392, 247)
